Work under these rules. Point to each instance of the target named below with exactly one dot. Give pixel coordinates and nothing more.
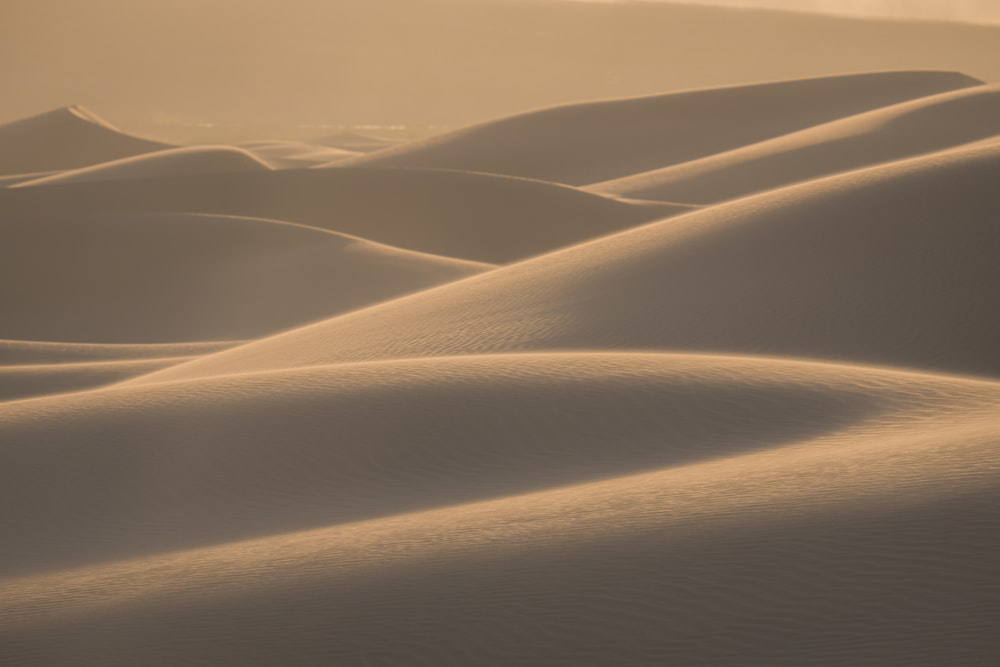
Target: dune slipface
(65, 139)
(598, 141)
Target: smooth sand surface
(175, 277)
(925, 125)
(597, 141)
(246, 418)
(478, 217)
(64, 139)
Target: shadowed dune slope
(161, 467)
(598, 141)
(65, 139)
(171, 277)
(892, 133)
(778, 513)
(188, 160)
(473, 216)
(891, 265)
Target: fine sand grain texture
(597, 141)
(701, 379)
(892, 265)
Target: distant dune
(925, 125)
(459, 214)
(65, 139)
(597, 141)
(708, 379)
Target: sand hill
(65, 139)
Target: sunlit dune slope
(171, 277)
(189, 160)
(928, 124)
(726, 511)
(892, 265)
(296, 154)
(161, 467)
(473, 216)
(65, 139)
(598, 141)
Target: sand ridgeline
(261, 407)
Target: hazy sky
(971, 11)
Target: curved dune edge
(925, 125)
(593, 142)
(30, 352)
(187, 160)
(166, 277)
(65, 138)
(161, 467)
(478, 217)
(852, 546)
(883, 266)
(31, 380)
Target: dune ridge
(591, 142)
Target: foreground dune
(598, 141)
(169, 162)
(65, 139)
(738, 511)
(887, 266)
(175, 277)
(925, 125)
(477, 217)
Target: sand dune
(777, 513)
(887, 265)
(157, 278)
(65, 139)
(352, 141)
(473, 216)
(598, 141)
(170, 162)
(925, 125)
